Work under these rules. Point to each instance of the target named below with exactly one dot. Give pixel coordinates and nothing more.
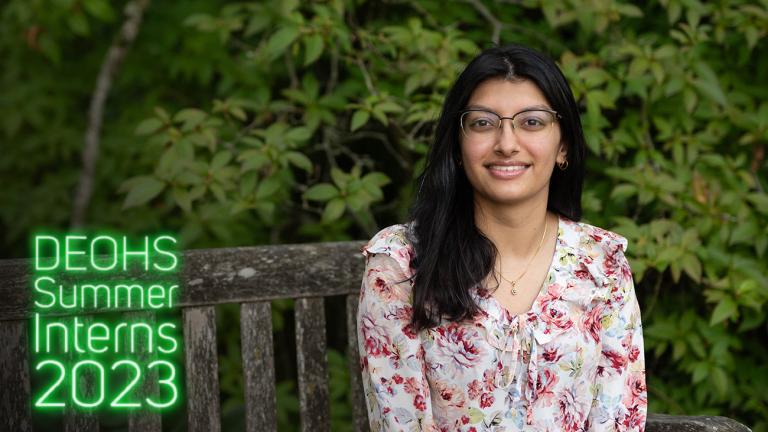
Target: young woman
(494, 308)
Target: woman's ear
(562, 153)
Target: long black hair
(450, 254)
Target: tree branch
(133, 15)
(495, 23)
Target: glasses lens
(479, 123)
(533, 121)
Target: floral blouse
(574, 362)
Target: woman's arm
(391, 356)
(620, 402)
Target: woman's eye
(481, 123)
(533, 123)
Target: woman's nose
(506, 139)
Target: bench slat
(314, 402)
(145, 420)
(258, 366)
(14, 374)
(221, 276)
(675, 423)
(359, 412)
(76, 419)
(203, 411)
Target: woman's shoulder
(601, 253)
(593, 239)
(394, 241)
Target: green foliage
(259, 117)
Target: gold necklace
(514, 283)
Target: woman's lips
(508, 172)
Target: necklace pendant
(514, 289)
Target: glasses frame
(464, 112)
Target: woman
(494, 308)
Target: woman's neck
(515, 231)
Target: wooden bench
(250, 277)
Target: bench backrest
(250, 277)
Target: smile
(506, 172)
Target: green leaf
(252, 160)
(298, 135)
(247, 183)
(690, 99)
(142, 190)
(281, 40)
(711, 90)
(333, 210)
(629, 10)
(313, 48)
(191, 117)
(268, 187)
(311, 86)
(321, 192)
(724, 310)
(358, 201)
(339, 177)
(220, 160)
(389, 107)
(149, 126)
(257, 23)
(412, 83)
(78, 24)
(700, 371)
(623, 191)
(182, 199)
(692, 266)
(376, 178)
(100, 9)
(359, 118)
(239, 207)
(299, 160)
(696, 344)
(238, 113)
(380, 115)
(49, 47)
(720, 379)
(373, 191)
(266, 211)
(218, 192)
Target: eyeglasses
(477, 124)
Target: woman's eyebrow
(530, 107)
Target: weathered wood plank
(14, 377)
(145, 419)
(231, 275)
(359, 412)
(674, 423)
(202, 369)
(314, 404)
(77, 419)
(258, 366)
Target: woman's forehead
(507, 97)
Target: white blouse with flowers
(574, 362)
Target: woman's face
(484, 150)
